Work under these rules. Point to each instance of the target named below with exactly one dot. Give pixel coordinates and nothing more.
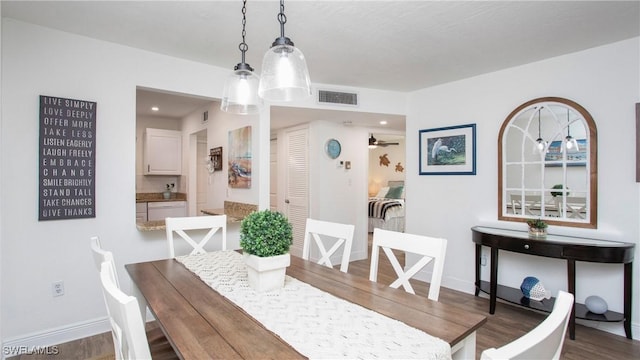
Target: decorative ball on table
(533, 289)
(596, 304)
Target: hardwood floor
(508, 323)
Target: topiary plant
(265, 233)
(558, 193)
(537, 224)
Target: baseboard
(55, 336)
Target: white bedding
(393, 218)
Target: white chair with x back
(323, 232)
(544, 341)
(431, 249)
(180, 226)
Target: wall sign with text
(67, 158)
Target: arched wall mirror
(547, 164)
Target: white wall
(39, 61)
(338, 194)
(605, 81)
(379, 174)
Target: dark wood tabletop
(200, 323)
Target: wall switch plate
(57, 288)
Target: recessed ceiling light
(383, 122)
(155, 108)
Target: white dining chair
(544, 341)
(155, 336)
(180, 226)
(324, 232)
(129, 337)
(101, 255)
(431, 249)
(575, 206)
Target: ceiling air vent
(334, 97)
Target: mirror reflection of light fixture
(569, 141)
(240, 95)
(540, 145)
(285, 76)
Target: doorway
(202, 172)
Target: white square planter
(266, 273)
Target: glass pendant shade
(285, 76)
(571, 144)
(240, 95)
(539, 146)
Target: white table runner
(315, 323)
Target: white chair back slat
(180, 226)
(342, 234)
(100, 255)
(130, 339)
(544, 341)
(432, 250)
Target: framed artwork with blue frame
(448, 150)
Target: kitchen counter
(230, 219)
(151, 225)
(154, 197)
(235, 211)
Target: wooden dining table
(202, 324)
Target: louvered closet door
(297, 185)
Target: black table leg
(571, 279)
(493, 285)
(478, 263)
(628, 271)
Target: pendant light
(569, 142)
(285, 76)
(240, 95)
(540, 144)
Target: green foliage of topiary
(265, 233)
(537, 224)
(558, 193)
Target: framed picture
(553, 157)
(448, 150)
(239, 172)
(215, 156)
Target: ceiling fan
(373, 142)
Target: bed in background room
(386, 209)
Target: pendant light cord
(539, 135)
(243, 45)
(282, 18)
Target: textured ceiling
(390, 45)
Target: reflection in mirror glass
(547, 164)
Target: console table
(569, 248)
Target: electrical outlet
(57, 288)
(483, 260)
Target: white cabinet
(163, 209)
(141, 212)
(162, 152)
